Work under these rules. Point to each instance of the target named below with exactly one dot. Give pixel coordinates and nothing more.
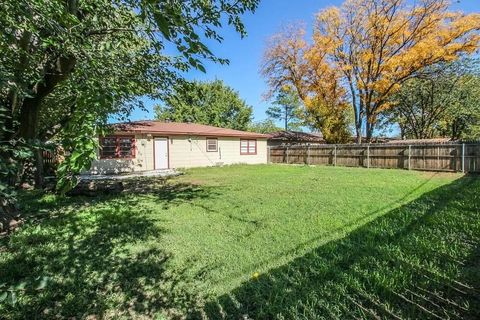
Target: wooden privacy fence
(453, 157)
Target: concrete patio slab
(164, 173)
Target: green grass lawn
(326, 242)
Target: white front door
(161, 153)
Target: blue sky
(245, 54)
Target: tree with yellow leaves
(368, 48)
(290, 62)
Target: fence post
(286, 150)
(463, 157)
(335, 156)
(269, 150)
(438, 158)
(368, 155)
(308, 155)
(409, 155)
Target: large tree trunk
(31, 107)
(369, 132)
(358, 120)
(28, 119)
(28, 130)
(402, 131)
(357, 111)
(358, 131)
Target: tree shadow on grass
(97, 255)
(160, 191)
(421, 260)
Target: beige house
(154, 145)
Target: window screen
(117, 147)
(248, 146)
(212, 145)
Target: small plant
(10, 294)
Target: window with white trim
(212, 144)
(248, 146)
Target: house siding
(184, 152)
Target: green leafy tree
(212, 103)
(70, 60)
(287, 108)
(64, 59)
(265, 126)
(444, 101)
(462, 118)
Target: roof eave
(213, 134)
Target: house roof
(420, 141)
(296, 136)
(181, 129)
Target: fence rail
(454, 157)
